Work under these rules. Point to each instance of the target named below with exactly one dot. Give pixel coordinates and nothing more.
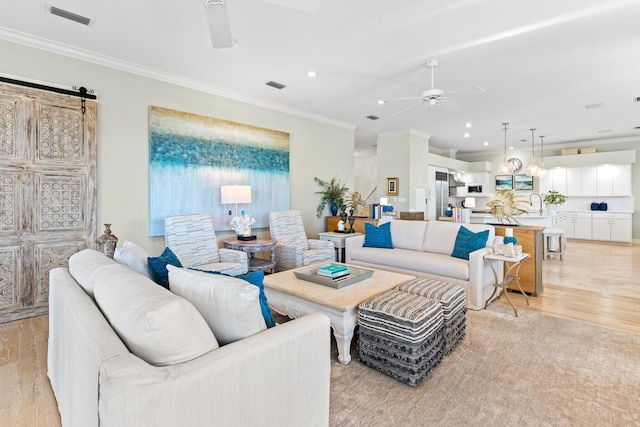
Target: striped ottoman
(400, 335)
(453, 302)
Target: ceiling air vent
(69, 15)
(372, 117)
(636, 99)
(275, 84)
(593, 106)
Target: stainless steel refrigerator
(442, 193)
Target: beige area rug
(533, 370)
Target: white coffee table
(294, 298)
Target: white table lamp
(235, 194)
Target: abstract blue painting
(192, 156)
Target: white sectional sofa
(277, 377)
(423, 249)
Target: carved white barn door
(47, 192)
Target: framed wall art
(504, 182)
(192, 156)
(392, 186)
(523, 182)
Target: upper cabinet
(554, 179)
(581, 181)
(613, 180)
(588, 181)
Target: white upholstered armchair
(193, 240)
(293, 249)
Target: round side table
(253, 246)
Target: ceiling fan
(433, 96)
(218, 18)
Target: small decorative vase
(107, 242)
(334, 208)
(352, 219)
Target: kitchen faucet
(539, 197)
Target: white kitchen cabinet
(613, 180)
(553, 179)
(578, 225)
(559, 221)
(615, 227)
(581, 181)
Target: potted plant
(553, 199)
(332, 193)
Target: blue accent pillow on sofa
(158, 266)
(467, 241)
(377, 237)
(255, 278)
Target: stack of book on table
(333, 271)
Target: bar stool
(548, 235)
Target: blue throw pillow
(467, 241)
(255, 278)
(377, 237)
(158, 266)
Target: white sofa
(277, 377)
(423, 249)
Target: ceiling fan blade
(454, 107)
(415, 98)
(218, 20)
(475, 89)
(404, 109)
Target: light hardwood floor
(601, 287)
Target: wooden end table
(253, 246)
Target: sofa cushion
(377, 237)
(440, 236)
(408, 234)
(134, 257)
(467, 241)
(157, 326)
(255, 278)
(414, 261)
(158, 266)
(87, 265)
(230, 306)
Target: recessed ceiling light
(312, 74)
(485, 143)
(381, 102)
(466, 135)
(468, 125)
(511, 148)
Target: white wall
(123, 153)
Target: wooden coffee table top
(342, 299)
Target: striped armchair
(193, 240)
(293, 249)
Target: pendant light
(533, 169)
(505, 168)
(542, 171)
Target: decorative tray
(344, 231)
(355, 275)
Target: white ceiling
(540, 62)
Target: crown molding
(107, 61)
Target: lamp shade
(384, 201)
(469, 202)
(233, 194)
